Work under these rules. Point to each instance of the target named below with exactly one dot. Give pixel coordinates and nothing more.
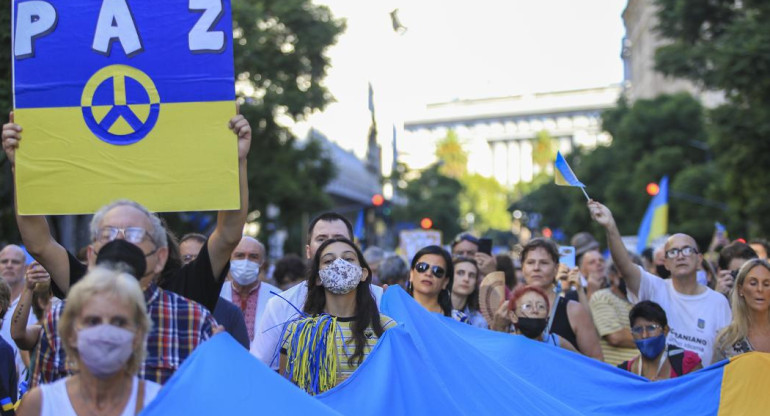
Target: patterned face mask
(340, 277)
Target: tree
(482, 198)
(651, 139)
(544, 150)
(725, 45)
(8, 230)
(453, 159)
(434, 196)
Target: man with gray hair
(245, 289)
(12, 269)
(394, 271)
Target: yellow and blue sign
(124, 99)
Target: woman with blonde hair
(750, 300)
(103, 328)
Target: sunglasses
(437, 271)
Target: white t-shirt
(694, 320)
(276, 314)
(5, 332)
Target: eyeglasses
(639, 330)
(133, 235)
(686, 251)
(188, 258)
(528, 308)
(437, 271)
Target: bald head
(249, 249)
(683, 239)
(12, 264)
(682, 256)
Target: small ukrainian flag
(563, 175)
(7, 404)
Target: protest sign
(123, 99)
(411, 241)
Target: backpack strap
(676, 358)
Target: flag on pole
(655, 221)
(563, 175)
(371, 99)
(360, 229)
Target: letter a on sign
(115, 105)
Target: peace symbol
(127, 112)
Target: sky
(455, 49)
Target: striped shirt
(610, 314)
(178, 326)
(344, 343)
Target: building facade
(500, 134)
(641, 80)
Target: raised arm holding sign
(135, 111)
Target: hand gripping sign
(124, 99)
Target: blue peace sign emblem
(132, 111)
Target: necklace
(663, 357)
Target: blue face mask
(651, 347)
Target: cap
(583, 243)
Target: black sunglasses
(423, 267)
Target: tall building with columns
(499, 134)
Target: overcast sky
(461, 49)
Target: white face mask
(244, 272)
(340, 277)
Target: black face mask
(662, 271)
(531, 327)
(121, 255)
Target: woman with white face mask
(103, 327)
(341, 322)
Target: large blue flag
(432, 365)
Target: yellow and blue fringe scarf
(312, 354)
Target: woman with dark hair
(341, 322)
(465, 293)
(649, 327)
(431, 276)
(567, 318)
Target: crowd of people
(107, 332)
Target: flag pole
(584, 193)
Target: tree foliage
(453, 159)
(481, 197)
(651, 139)
(725, 45)
(8, 230)
(434, 196)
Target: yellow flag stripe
(71, 171)
(744, 385)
